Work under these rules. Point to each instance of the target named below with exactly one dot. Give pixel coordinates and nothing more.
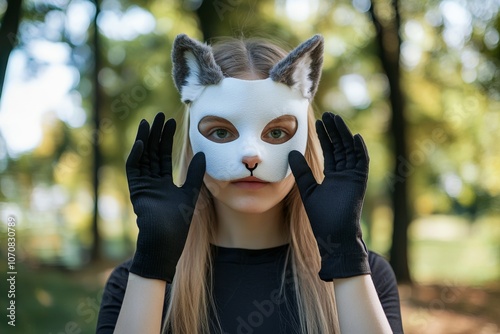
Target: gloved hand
(334, 206)
(164, 211)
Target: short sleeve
(112, 299)
(387, 289)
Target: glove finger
(154, 142)
(143, 131)
(303, 175)
(339, 151)
(195, 174)
(143, 135)
(347, 142)
(326, 146)
(167, 139)
(362, 156)
(132, 166)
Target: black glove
(164, 211)
(334, 206)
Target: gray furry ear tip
(301, 68)
(317, 37)
(193, 67)
(182, 38)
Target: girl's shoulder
(386, 285)
(379, 265)
(120, 273)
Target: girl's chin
(249, 205)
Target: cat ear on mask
(194, 67)
(301, 68)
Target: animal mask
(237, 123)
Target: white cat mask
(249, 106)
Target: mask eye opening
(217, 129)
(280, 130)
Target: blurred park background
(419, 79)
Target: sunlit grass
(450, 249)
(467, 261)
(455, 250)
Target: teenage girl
(264, 234)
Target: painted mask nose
(251, 163)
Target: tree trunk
(8, 35)
(95, 252)
(389, 45)
(209, 16)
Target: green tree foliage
(450, 51)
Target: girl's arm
(164, 212)
(141, 311)
(334, 211)
(358, 306)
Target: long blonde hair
(191, 298)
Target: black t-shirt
(247, 294)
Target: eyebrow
(284, 118)
(213, 119)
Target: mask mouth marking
(251, 169)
